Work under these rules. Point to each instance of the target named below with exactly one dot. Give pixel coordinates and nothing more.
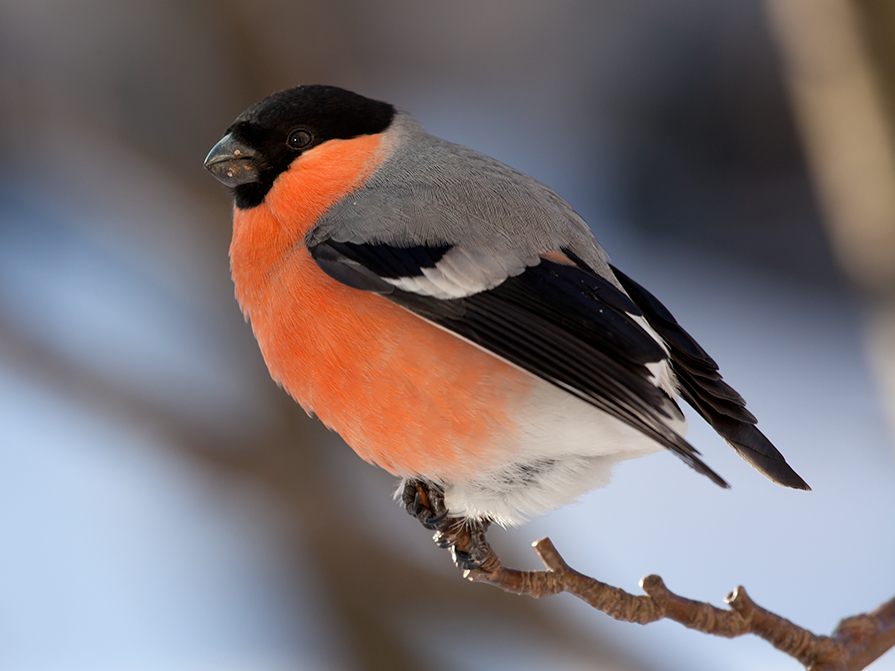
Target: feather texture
(702, 387)
(567, 326)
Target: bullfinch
(454, 320)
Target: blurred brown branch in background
(838, 62)
(836, 92)
(857, 641)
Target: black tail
(703, 388)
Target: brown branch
(856, 642)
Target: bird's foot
(466, 539)
(425, 501)
(463, 536)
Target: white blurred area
(164, 505)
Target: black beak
(232, 162)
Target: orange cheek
(321, 177)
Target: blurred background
(164, 505)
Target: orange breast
(404, 394)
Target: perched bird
(453, 319)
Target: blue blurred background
(164, 505)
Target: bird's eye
(299, 139)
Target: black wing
(702, 387)
(565, 324)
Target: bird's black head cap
(279, 128)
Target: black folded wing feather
(702, 387)
(564, 324)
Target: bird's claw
(464, 537)
(425, 502)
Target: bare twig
(857, 641)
